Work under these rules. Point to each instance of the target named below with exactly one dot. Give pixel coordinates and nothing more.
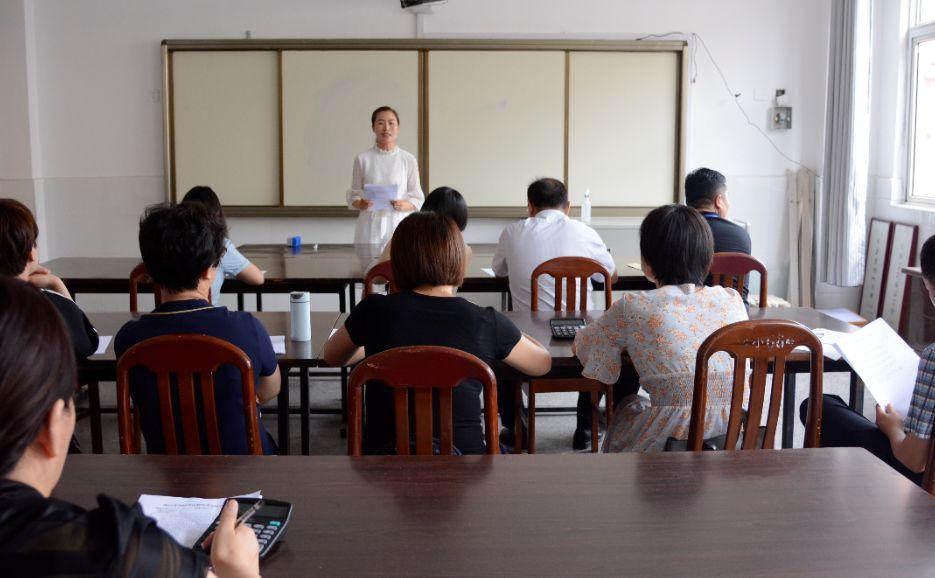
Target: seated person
(19, 257)
(902, 442)
(547, 233)
(233, 264)
(428, 265)
(43, 536)
(706, 191)
(446, 201)
(661, 331)
(181, 247)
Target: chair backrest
(139, 274)
(731, 269)
(423, 369)
(377, 274)
(575, 272)
(185, 356)
(762, 342)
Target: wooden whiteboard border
(424, 46)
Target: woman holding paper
(385, 183)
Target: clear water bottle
(586, 207)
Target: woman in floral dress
(661, 331)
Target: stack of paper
(279, 344)
(185, 519)
(829, 343)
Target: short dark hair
(448, 201)
(927, 257)
(677, 243)
(18, 234)
(179, 242)
(373, 115)
(702, 187)
(440, 257)
(547, 194)
(207, 197)
(37, 367)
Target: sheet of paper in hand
(380, 196)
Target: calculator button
(263, 541)
(275, 523)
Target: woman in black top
(428, 260)
(19, 258)
(42, 536)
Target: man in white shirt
(547, 233)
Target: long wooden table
(319, 268)
(839, 512)
(536, 324)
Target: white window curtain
(847, 144)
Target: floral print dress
(661, 331)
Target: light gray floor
(553, 431)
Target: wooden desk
(322, 268)
(767, 513)
(299, 354)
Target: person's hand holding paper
(381, 197)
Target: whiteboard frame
(425, 46)
(894, 309)
(884, 249)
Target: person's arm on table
(42, 278)
(340, 350)
(251, 275)
(529, 357)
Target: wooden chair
(423, 369)
(185, 356)
(138, 275)
(731, 269)
(763, 342)
(575, 273)
(379, 273)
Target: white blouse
(376, 166)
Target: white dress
(376, 166)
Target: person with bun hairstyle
(44, 536)
(383, 164)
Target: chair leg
(609, 403)
(595, 421)
(518, 419)
(531, 428)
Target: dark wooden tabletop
(275, 322)
(323, 266)
(828, 512)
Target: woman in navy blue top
(181, 247)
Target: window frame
(917, 34)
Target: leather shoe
(508, 439)
(581, 441)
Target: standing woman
(384, 164)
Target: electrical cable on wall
(696, 40)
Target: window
(921, 150)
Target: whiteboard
(226, 124)
(877, 246)
(622, 128)
(328, 97)
(496, 122)
(902, 251)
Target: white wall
(97, 78)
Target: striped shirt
(922, 407)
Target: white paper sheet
(185, 519)
(829, 343)
(279, 344)
(635, 265)
(489, 271)
(842, 314)
(102, 342)
(885, 363)
(380, 196)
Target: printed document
(885, 363)
(185, 519)
(380, 196)
(279, 344)
(102, 342)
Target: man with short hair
(706, 191)
(182, 246)
(547, 233)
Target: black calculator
(268, 523)
(566, 327)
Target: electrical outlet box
(781, 117)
